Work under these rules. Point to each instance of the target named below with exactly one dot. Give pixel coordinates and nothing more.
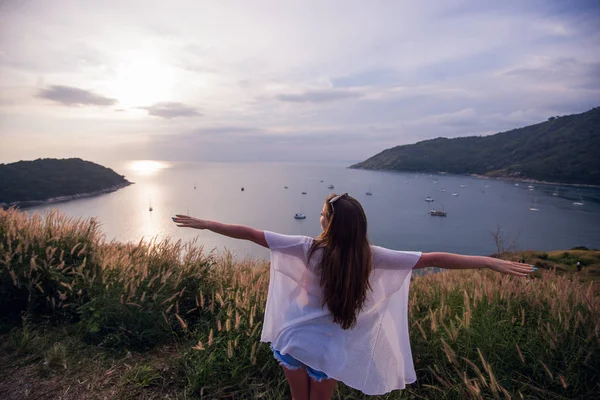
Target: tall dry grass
(474, 334)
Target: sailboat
(369, 193)
(555, 193)
(149, 205)
(194, 185)
(438, 213)
(533, 206)
(579, 202)
(300, 215)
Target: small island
(50, 180)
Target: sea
(480, 212)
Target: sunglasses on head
(336, 198)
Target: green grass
(165, 319)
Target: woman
(337, 307)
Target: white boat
(330, 187)
(429, 199)
(579, 202)
(299, 216)
(442, 190)
(463, 186)
(454, 194)
(555, 193)
(533, 207)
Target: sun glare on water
(146, 167)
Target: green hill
(562, 149)
(29, 182)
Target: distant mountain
(26, 183)
(562, 149)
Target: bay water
(398, 215)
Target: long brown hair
(346, 263)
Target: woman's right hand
(185, 221)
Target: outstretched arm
(457, 261)
(233, 231)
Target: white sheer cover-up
(374, 356)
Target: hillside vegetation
(81, 318)
(47, 178)
(562, 149)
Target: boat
(369, 193)
(442, 190)
(429, 199)
(321, 181)
(463, 186)
(330, 187)
(533, 207)
(438, 213)
(579, 202)
(555, 193)
(242, 188)
(149, 205)
(285, 187)
(454, 194)
(194, 185)
(299, 216)
(303, 192)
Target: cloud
(170, 110)
(560, 69)
(72, 96)
(320, 96)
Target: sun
(142, 80)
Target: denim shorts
(292, 364)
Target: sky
(299, 81)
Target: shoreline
(502, 178)
(62, 199)
(531, 180)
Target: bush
(61, 270)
